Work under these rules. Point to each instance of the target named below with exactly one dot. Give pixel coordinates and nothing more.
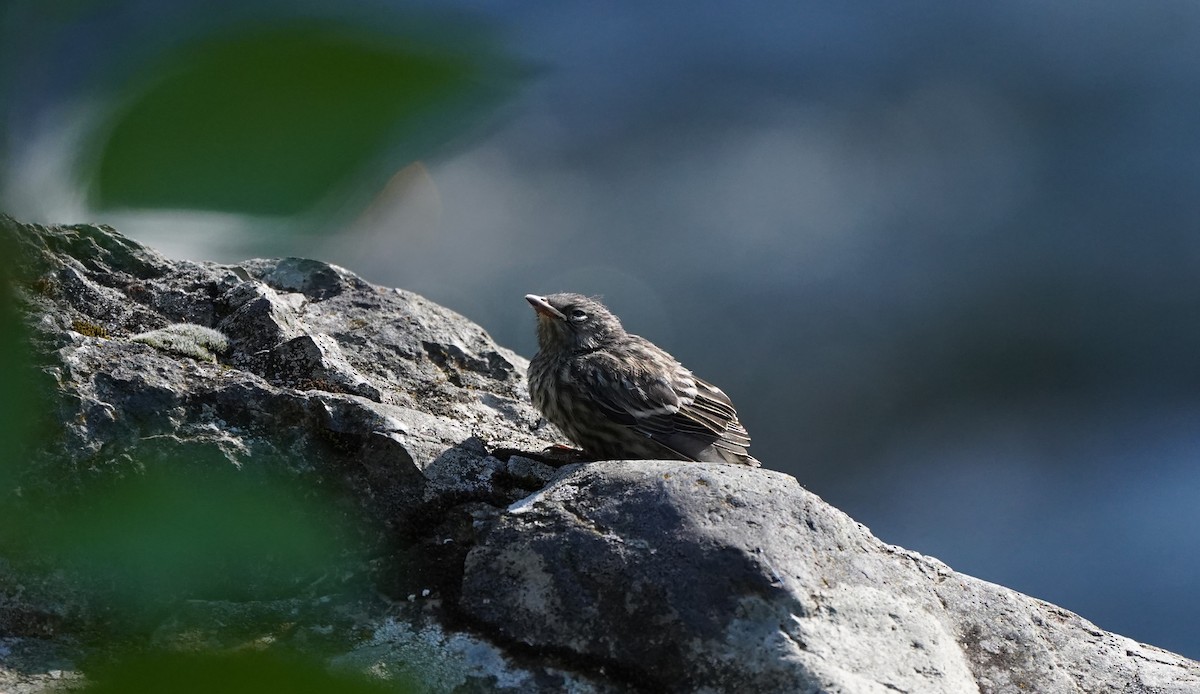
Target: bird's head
(573, 322)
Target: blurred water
(943, 256)
(1085, 506)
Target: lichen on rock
(186, 339)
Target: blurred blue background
(943, 256)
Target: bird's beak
(543, 307)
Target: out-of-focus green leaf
(281, 119)
(19, 402)
(187, 530)
(235, 673)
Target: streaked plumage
(618, 395)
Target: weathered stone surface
(694, 577)
(492, 570)
(387, 400)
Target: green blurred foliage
(186, 531)
(234, 673)
(286, 118)
(19, 402)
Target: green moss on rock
(89, 329)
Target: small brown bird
(618, 396)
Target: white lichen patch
(186, 339)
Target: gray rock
(487, 567)
(708, 577)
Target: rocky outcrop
(473, 561)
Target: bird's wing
(629, 392)
(712, 404)
(651, 392)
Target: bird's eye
(578, 316)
